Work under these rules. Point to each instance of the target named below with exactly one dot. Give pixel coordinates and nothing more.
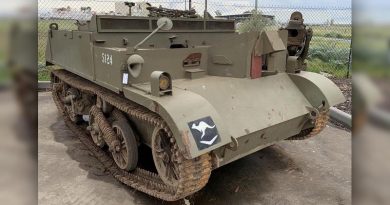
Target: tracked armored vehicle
(194, 92)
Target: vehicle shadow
(247, 179)
(236, 183)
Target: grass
(43, 73)
(330, 55)
(333, 31)
(4, 74)
(372, 50)
(316, 65)
(4, 71)
(371, 68)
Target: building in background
(82, 13)
(138, 10)
(242, 17)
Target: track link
(319, 125)
(194, 173)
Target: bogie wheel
(69, 107)
(127, 156)
(96, 133)
(76, 118)
(165, 157)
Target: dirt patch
(345, 85)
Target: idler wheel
(165, 157)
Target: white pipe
(42, 85)
(380, 117)
(340, 116)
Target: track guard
(318, 89)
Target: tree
(257, 22)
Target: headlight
(161, 83)
(164, 82)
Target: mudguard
(183, 111)
(317, 88)
(261, 103)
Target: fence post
(256, 5)
(349, 60)
(205, 9)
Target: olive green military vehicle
(192, 92)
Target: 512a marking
(107, 58)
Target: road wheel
(96, 133)
(72, 115)
(127, 156)
(69, 105)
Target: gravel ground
(345, 85)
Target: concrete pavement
(315, 171)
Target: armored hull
(197, 93)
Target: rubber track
(319, 125)
(194, 173)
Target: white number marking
(107, 58)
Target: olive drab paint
(230, 94)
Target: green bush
(256, 23)
(331, 54)
(331, 59)
(43, 72)
(333, 68)
(334, 35)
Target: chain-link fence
(330, 49)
